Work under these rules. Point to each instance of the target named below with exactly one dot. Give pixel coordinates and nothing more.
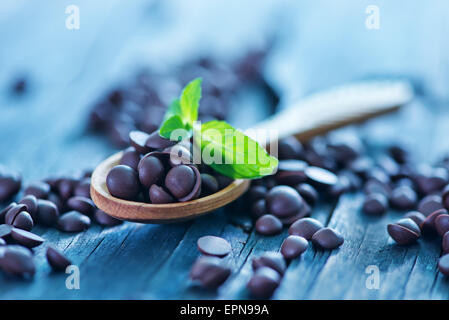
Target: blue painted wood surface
(43, 133)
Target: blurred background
(87, 87)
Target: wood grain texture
(43, 134)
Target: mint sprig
(235, 155)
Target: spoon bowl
(157, 213)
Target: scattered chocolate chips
(73, 221)
(210, 271)
(263, 283)
(12, 213)
(56, 259)
(259, 208)
(268, 225)
(23, 220)
(404, 232)
(214, 246)
(293, 246)
(5, 231)
(26, 238)
(305, 228)
(82, 189)
(327, 238)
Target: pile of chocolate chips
(140, 104)
(156, 170)
(322, 170)
(63, 203)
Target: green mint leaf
(232, 153)
(190, 101)
(173, 110)
(169, 125)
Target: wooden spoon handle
(341, 106)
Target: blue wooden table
(43, 133)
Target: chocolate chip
(31, 203)
(305, 228)
(263, 283)
(47, 213)
(56, 259)
(416, 216)
(327, 238)
(81, 204)
(258, 208)
(213, 246)
(82, 189)
(13, 212)
(257, 192)
(151, 170)
(403, 198)
(123, 182)
(159, 196)
(443, 264)
(320, 177)
(375, 204)
(428, 225)
(26, 238)
(289, 148)
(180, 173)
(305, 211)
(39, 189)
(130, 158)
(291, 172)
(293, 246)
(138, 140)
(5, 211)
(10, 183)
(268, 225)
(56, 200)
(104, 219)
(17, 260)
(442, 224)
(283, 201)
(209, 184)
(374, 186)
(430, 204)
(404, 232)
(5, 231)
(399, 154)
(445, 242)
(155, 141)
(180, 180)
(23, 221)
(73, 221)
(209, 271)
(66, 187)
(270, 259)
(307, 192)
(431, 180)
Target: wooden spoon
(312, 116)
